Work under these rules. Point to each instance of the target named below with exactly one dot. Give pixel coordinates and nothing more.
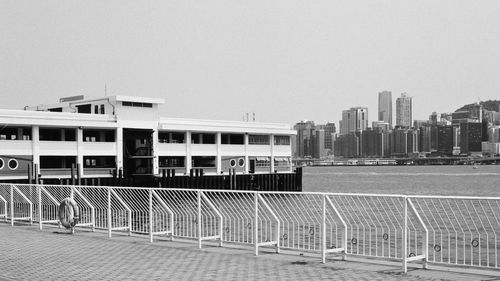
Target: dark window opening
(57, 162)
(49, 134)
(203, 161)
(57, 109)
(137, 104)
(98, 135)
(203, 138)
(172, 161)
(99, 162)
(102, 109)
(15, 133)
(84, 108)
(232, 139)
(171, 137)
(96, 109)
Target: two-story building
(127, 134)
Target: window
(13, 164)
(281, 162)
(203, 138)
(137, 104)
(84, 108)
(99, 162)
(203, 161)
(258, 139)
(50, 134)
(171, 137)
(102, 109)
(263, 162)
(98, 135)
(1, 163)
(232, 139)
(172, 161)
(281, 140)
(96, 109)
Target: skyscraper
(354, 120)
(385, 107)
(404, 111)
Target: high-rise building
(404, 108)
(354, 120)
(470, 137)
(330, 131)
(304, 139)
(385, 107)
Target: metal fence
(460, 231)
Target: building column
(218, 156)
(247, 164)
(79, 149)
(119, 148)
(156, 166)
(188, 153)
(35, 147)
(271, 145)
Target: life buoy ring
(68, 213)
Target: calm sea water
(410, 180)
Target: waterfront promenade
(27, 253)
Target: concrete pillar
(35, 146)
(79, 150)
(156, 165)
(19, 135)
(271, 145)
(245, 143)
(218, 157)
(119, 148)
(188, 152)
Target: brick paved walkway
(29, 254)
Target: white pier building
(127, 134)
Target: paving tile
(53, 254)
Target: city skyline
(283, 60)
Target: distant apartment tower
(304, 140)
(385, 107)
(330, 131)
(354, 120)
(404, 111)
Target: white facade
(127, 134)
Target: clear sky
(285, 60)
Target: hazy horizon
(284, 60)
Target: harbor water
(456, 180)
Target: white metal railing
(461, 231)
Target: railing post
(11, 205)
(199, 218)
(256, 221)
(323, 230)
(150, 215)
(404, 250)
(39, 193)
(109, 212)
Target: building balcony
(16, 147)
(99, 148)
(232, 149)
(61, 148)
(171, 149)
(204, 149)
(259, 150)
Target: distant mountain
(491, 105)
